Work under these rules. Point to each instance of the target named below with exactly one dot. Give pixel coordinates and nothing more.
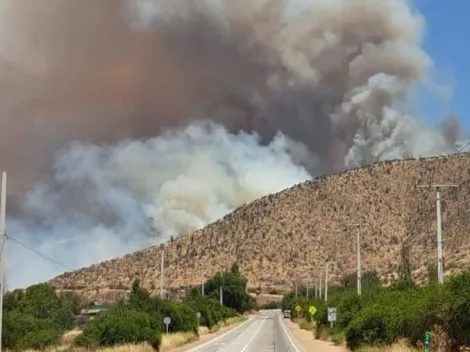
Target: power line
(37, 253)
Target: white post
(307, 292)
(326, 282)
(440, 264)
(358, 245)
(3, 198)
(320, 289)
(162, 267)
(221, 296)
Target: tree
(405, 280)
(233, 285)
(35, 318)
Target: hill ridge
(273, 238)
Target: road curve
(263, 333)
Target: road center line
(207, 343)
(253, 336)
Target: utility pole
(326, 281)
(440, 263)
(358, 257)
(320, 289)
(162, 267)
(316, 289)
(3, 198)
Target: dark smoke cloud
(100, 101)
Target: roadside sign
(427, 340)
(312, 310)
(331, 315)
(167, 321)
(298, 308)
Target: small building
(88, 314)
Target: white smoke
(108, 200)
(318, 80)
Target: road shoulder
(207, 337)
(308, 341)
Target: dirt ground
(310, 343)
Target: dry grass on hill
(290, 235)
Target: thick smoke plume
(318, 81)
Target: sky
(446, 41)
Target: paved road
(263, 333)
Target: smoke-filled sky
(124, 123)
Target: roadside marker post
(167, 322)
(427, 340)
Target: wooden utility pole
(440, 263)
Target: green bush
(35, 318)
(234, 289)
(24, 331)
(457, 309)
(121, 326)
(383, 315)
(211, 310)
(183, 317)
(368, 328)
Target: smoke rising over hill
(317, 80)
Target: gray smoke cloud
(318, 81)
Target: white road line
(288, 335)
(253, 336)
(205, 344)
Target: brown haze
(101, 105)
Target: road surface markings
(210, 342)
(253, 336)
(288, 335)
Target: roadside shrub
(457, 310)
(368, 328)
(211, 310)
(121, 326)
(24, 331)
(183, 317)
(34, 318)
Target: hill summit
(289, 236)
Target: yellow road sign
(298, 308)
(312, 310)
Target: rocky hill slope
(291, 235)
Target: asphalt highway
(265, 332)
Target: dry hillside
(290, 235)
